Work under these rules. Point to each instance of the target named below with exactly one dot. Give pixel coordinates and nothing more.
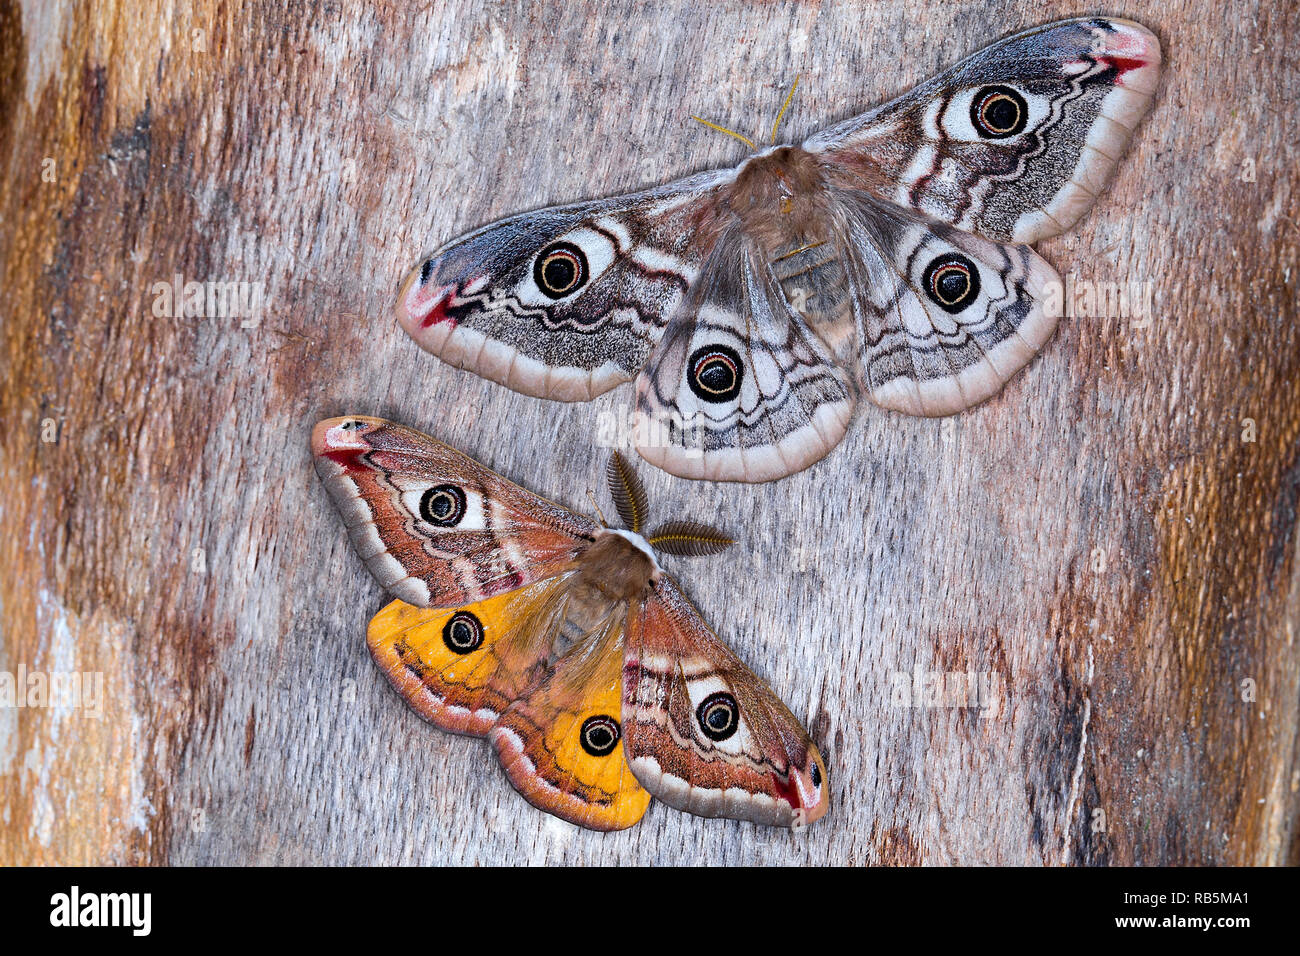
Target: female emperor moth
(885, 256)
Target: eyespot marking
(600, 735)
(718, 716)
(463, 633)
(715, 373)
(443, 506)
(997, 112)
(951, 281)
(560, 270)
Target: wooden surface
(1099, 538)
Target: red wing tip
(1134, 42)
(345, 434)
(816, 812)
(419, 306)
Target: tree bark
(1111, 542)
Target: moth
(562, 641)
(887, 256)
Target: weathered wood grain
(1100, 537)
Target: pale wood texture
(1099, 536)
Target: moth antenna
(788, 97)
(592, 498)
(691, 539)
(628, 492)
(722, 129)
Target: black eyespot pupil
(816, 775)
(952, 284)
(560, 270)
(719, 716)
(463, 633)
(599, 735)
(443, 506)
(1001, 114)
(715, 373)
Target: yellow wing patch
(561, 744)
(461, 668)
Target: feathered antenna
(627, 491)
(691, 539)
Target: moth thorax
(619, 564)
(779, 196)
